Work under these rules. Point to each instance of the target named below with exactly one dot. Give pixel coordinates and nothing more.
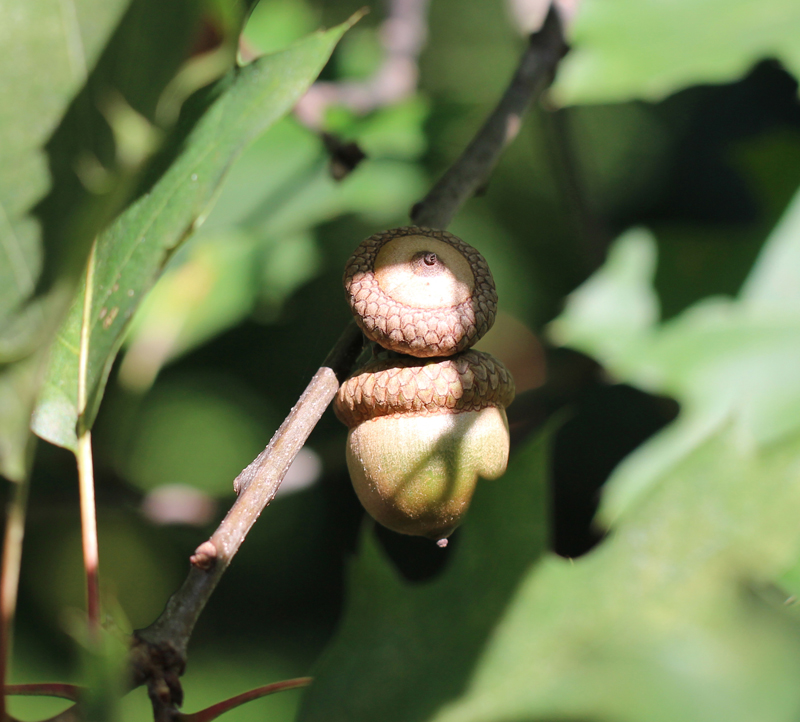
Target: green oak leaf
(673, 617)
(677, 615)
(216, 125)
(77, 106)
(725, 360)
(403, 650)
(625, 49)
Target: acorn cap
(470, 381)
(420, 291)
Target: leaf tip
(356, 16)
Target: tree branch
(159, 651)
(472, 170)
(591, 227)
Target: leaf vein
(64, 342)
(23, 274)
(72, 34)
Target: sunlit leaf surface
(627, 49)
(404, 649)
(673, 616)
(77, 111)
(223, 120)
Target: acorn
(420, 291)
(423, 428)
(421, 433)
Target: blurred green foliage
(86, 128)
(628, 49)
(216, 124)
(651, 225)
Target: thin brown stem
(91, 554)
(211, 713)
(256, 487)
(9, 578)
(472, 169)
(83, 454)
(45, 689)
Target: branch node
(159, 666)
(205, 556)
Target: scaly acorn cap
(469, 381)
(420, 291)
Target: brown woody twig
(472, 169)
(159, 651)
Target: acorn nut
(420, 291)
(421, 433)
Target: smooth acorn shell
(420, 291)
(416, 474)
(421, 433)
